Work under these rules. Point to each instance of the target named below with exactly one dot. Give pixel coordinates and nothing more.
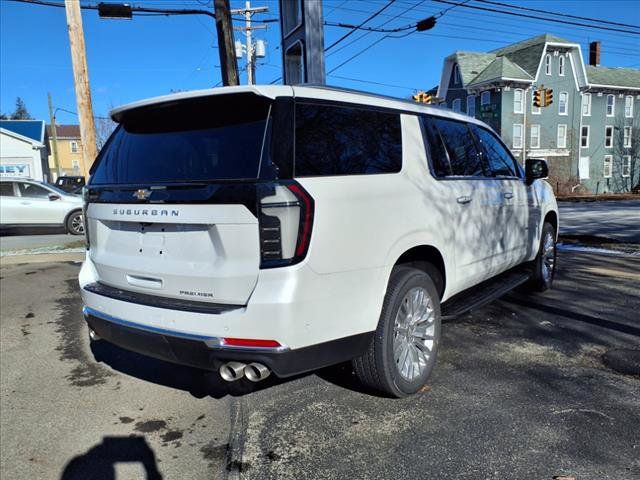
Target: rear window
(195, 140)
(336, 140)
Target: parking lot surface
(618, 220)
(519, 391)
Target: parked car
(71, 184)
(28, 203)
(282, 229)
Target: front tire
(402, 354)
(544, 265)
(75, 223)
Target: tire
(75, 223)
(544, 265)
(385, 366)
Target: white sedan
(28, 203)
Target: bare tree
(104, 129)
(626, 146)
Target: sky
(154, 55)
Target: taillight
(286, 220)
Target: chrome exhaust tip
(256, 372)
(93, 335)
(232, 371)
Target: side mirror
(53, 197)
(535, 168)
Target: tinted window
(437, 152)
(204, 139)
(33, 191)
(460, 145)
(6, 189)
(496, 156)
(346, 141)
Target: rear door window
(6, 189)
(338, 140)
(194, 140)
(496, 156)
(437, 152)
(461, 148)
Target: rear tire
(75, 223)
(402, 354)
(544, 265)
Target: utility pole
(54, 136)
(225, 43)
(248, 13)
(81, 81)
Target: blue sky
(149, 56)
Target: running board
(483, 293)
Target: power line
(346, 35)
(528, 9)
(554, 20)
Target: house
(70, 159)
(23, 151)
(589, 134)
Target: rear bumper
(207, 353)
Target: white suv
(282, 229)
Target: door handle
(464, 199)
(508, 195)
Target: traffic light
(548, 97)
(422, 97)
(537, 98)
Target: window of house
(351, 150)
(626, 141)
(561, 66)
(606, 169)
(74, 147)
(608, 136)
(518, 100)
(547, 64)
(584, 136)
(485, 98)
(626, 166)
(456, 106)
(75, 164)
(563, 103)
(496, 157)
(586, 104)
(517, 135)
(628, 106)
(535, 136)
(471, 105)
(456, 74)
(534, 110)
(562, 136)
(611, 105)
(461, 148)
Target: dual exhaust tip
(255, 372)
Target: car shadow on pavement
(199, 383)
(99, 462)
(19, 231)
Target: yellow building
(69, 151)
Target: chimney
(594, 54)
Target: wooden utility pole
(81, 81)
(228, 62)
(54, 136)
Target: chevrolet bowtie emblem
(142, 194)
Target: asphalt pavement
(615, 219)
(37, 239)
(519, 392)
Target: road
(519, 391)
(619, 220)
(38, 240)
